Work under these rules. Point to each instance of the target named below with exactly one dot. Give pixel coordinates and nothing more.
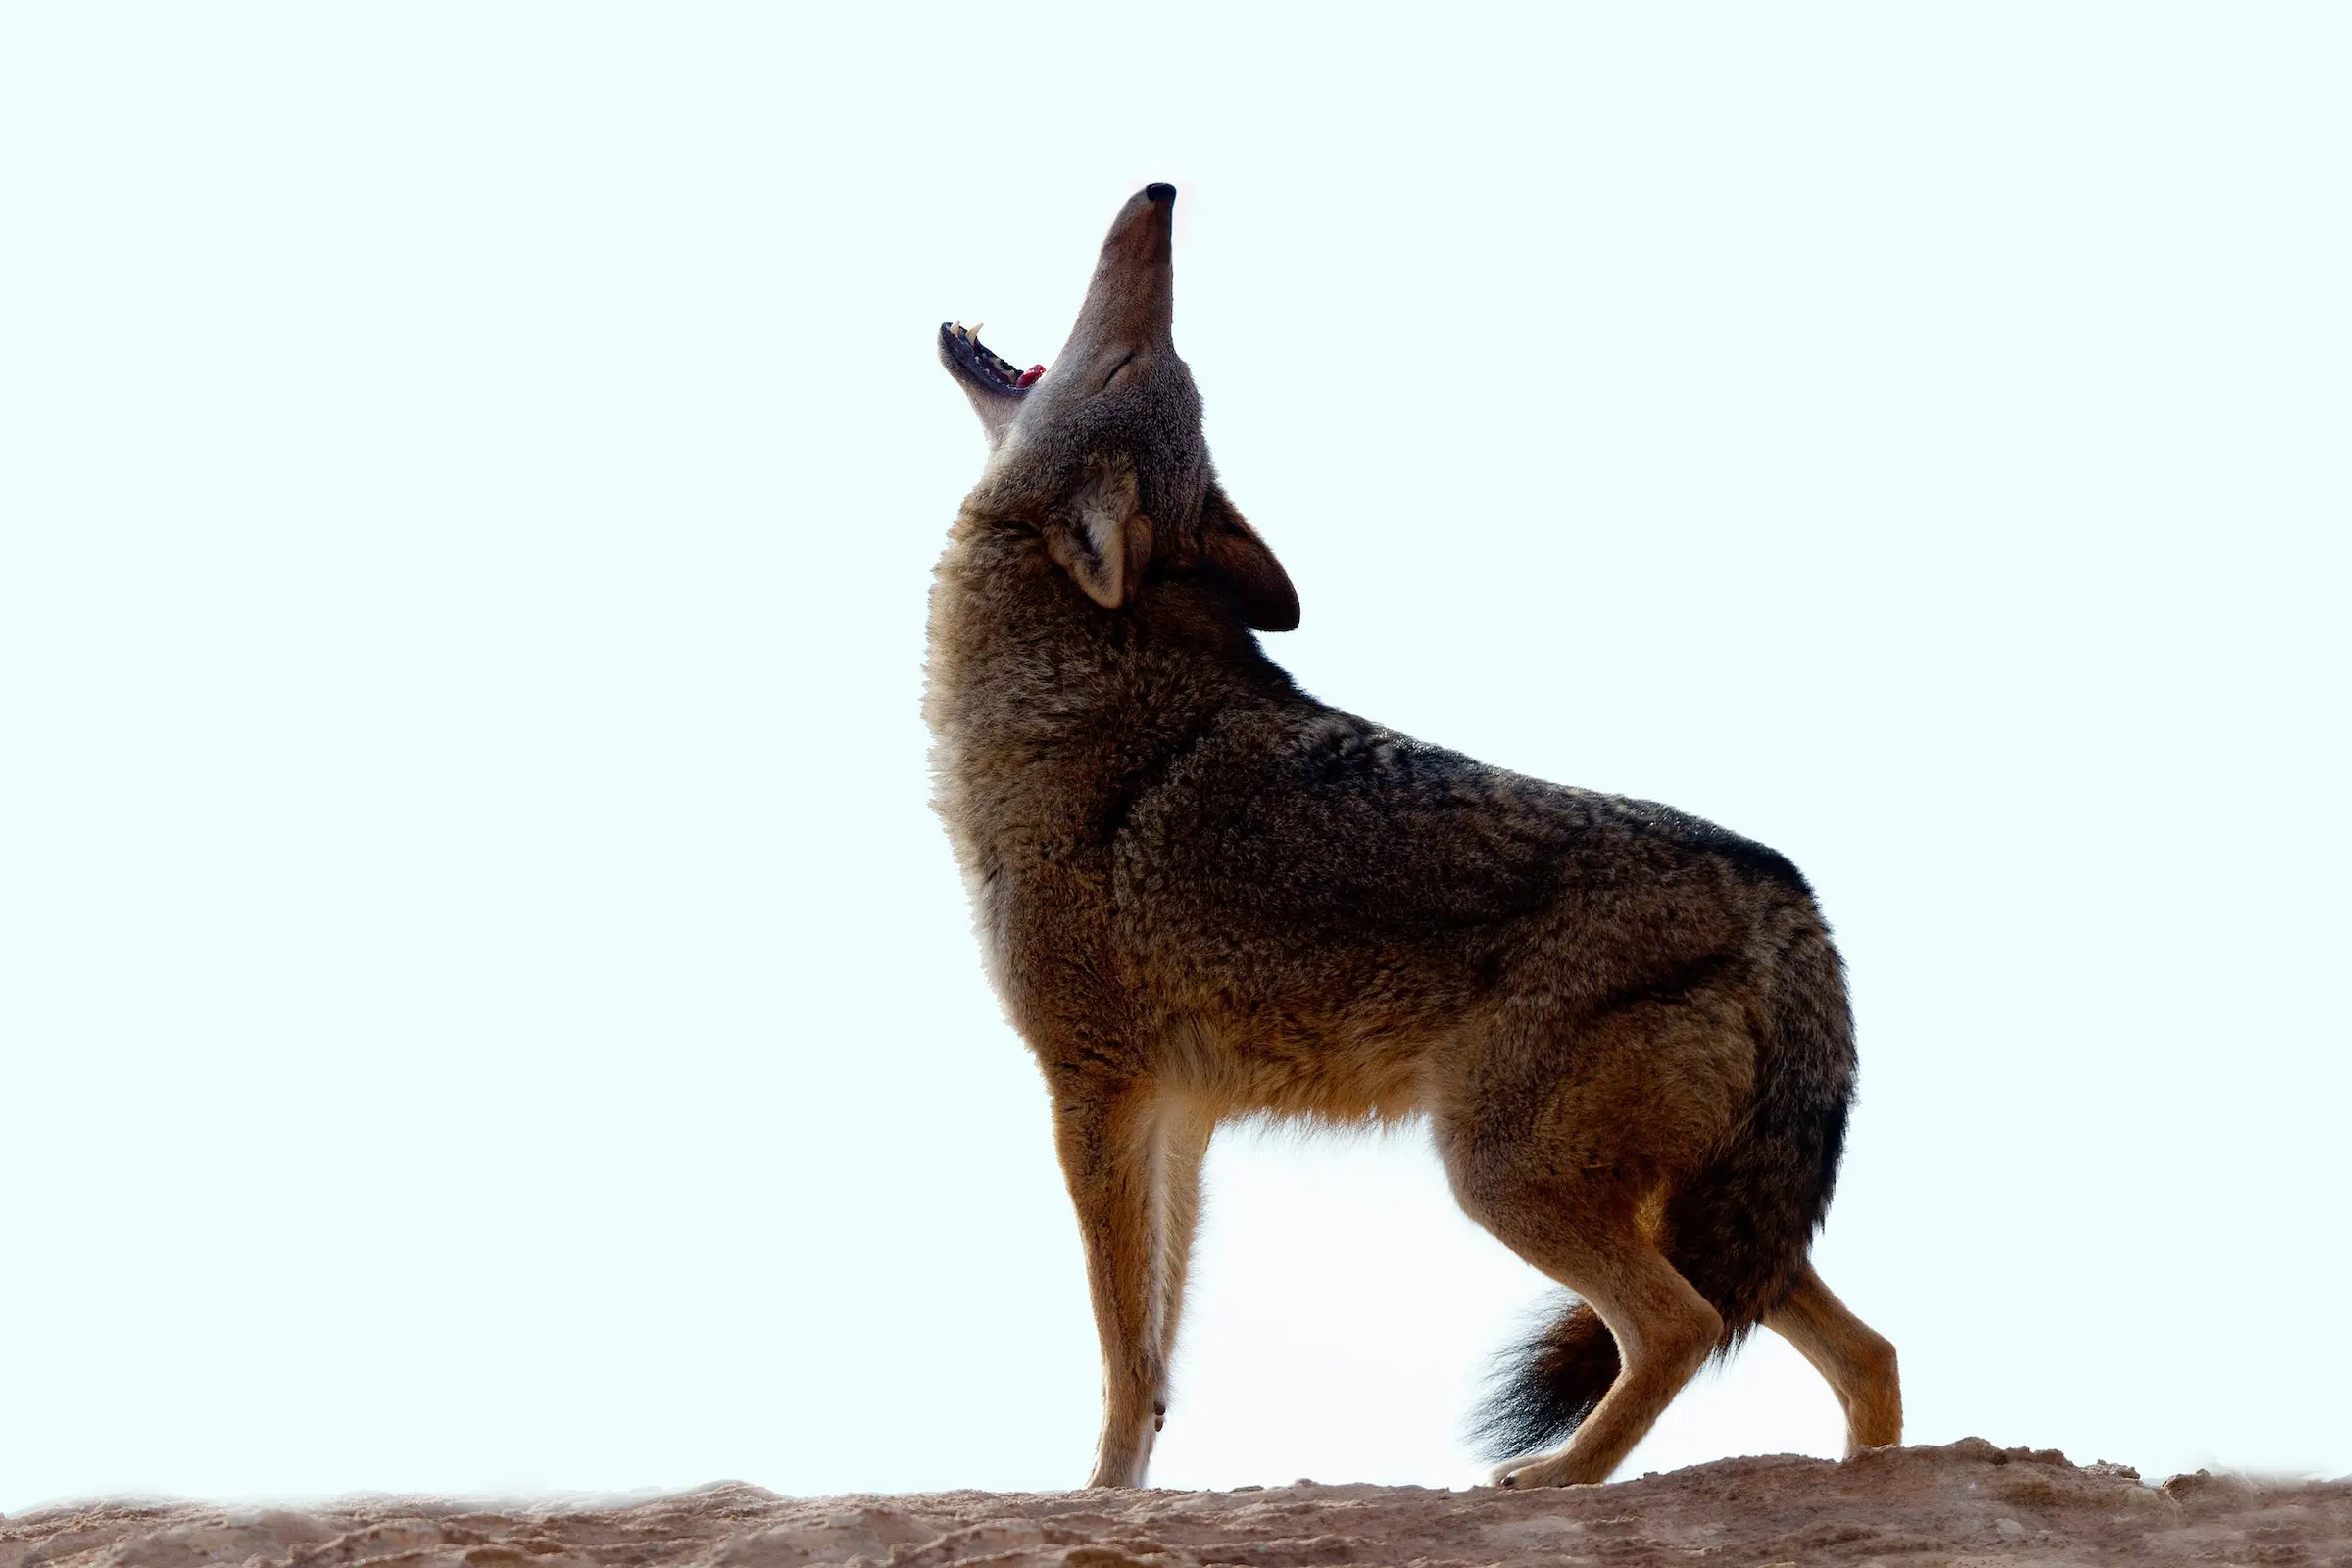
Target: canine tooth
(975, 332)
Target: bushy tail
(1739, 1231)
(1542, 1389)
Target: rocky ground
(1965, 1504)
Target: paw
(1506, 1474)
(1541, 1470)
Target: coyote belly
(1202, 895)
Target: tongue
(1030, 374)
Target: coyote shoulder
(1202, 895)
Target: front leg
(1183, 1133)
(1106, 1132)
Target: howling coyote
(1202, 894)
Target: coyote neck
(1051, 714)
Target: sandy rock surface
(1965, 1504)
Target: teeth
(974, 333)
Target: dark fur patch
(1678, 984)
(1739, 1232)
(1758, 860)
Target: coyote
(1203, 895)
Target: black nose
(1161, 193)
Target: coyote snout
(1203, 895)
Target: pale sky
(484, 1004)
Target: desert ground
(1967, 1502)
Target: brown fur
(1205, 895)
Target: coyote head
(1102, 455)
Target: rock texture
(1965, 1504)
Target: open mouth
(962, 344)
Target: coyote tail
(1739, 1231)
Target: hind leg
(1564, 1144)
(1664, 1332)
(1584, 1229)
(1857, 1361)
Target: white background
(484, 1004)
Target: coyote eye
(1116, 369)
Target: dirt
(1968, 1502)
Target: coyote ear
(1100, 538)
(1234, 553)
